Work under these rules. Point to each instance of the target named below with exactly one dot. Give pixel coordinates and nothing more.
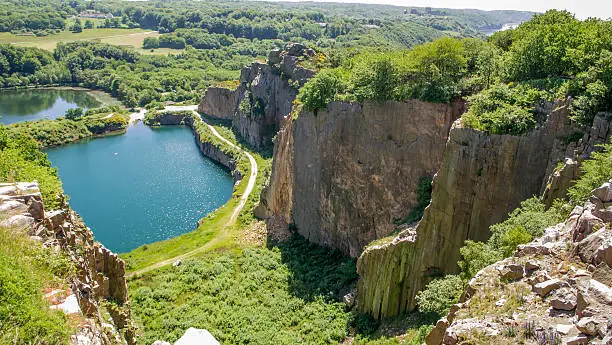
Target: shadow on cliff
(315, 270)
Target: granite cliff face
(481, 179)
(346, 176)
(264, 96)
(99, 286)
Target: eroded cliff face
(346, 176)
(264, 97)
(99, 287)
(481, 179)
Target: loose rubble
(554, 290)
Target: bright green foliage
(556, 44)
(440, 294)
(431, 72)
(593, 90)
(321, 90)
(503, 109)
(509, 240)
(532, 217)
(476, 256)
(26, 269)
(20, 160)
(595, 171)
(285, 295)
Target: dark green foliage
(73, 113)
(595, 171)
(440, 294)
(288, 294)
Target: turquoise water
(34, 104)
(145, 186)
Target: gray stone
(160, 342)
(577, 340)
(36, 209)
(349, 300)
(588, 325)
(295, 49)
(18, 221)
(274, 56)
(511, 272)
(544, 288)
(532, 265)
(194, 336)
(563, 299)
(604, 193)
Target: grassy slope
(26, 270)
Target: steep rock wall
(220, 102)
(344, 177)
(482, 178)
(259, 105)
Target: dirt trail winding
(243, 200)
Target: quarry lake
(34, 104)
(141, 187)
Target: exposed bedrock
(482, 178)
(263, 98)
(345, 176)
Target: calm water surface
(145, 186)
(34, 104)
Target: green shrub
(21, 160)
(440, 294)
(503, 109)
(512, 238)
(476, 256)
(595, 171)
(320, 90)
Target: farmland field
(131, 37)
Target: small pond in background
(33, 104)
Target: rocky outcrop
(100, 274)
(193, 336)
(349, 174)
(258, 106)
(481, 179)
(220, 102)
(563, 292)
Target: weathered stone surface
(588, 325)
(546, 287)
(159, 342)
(194, 336)
(563, 299)
(577, 340)
(511, 272)
(274, 56)
(220, 102)
(370, 154)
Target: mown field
(125, 37)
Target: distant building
(94, 14)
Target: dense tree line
(551, 57)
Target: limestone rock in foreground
(194, 336)
(565, 296)
(100, 274)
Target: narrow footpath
(235, 213)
